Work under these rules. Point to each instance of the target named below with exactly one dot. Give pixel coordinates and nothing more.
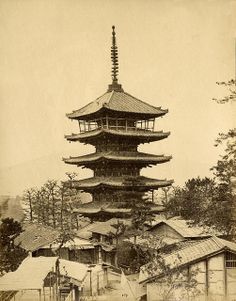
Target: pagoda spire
(115, 65)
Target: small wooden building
(203, 270)
(53, 279)
(176, 229)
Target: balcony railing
(118, 124)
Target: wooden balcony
(118, 124)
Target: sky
(55, 58)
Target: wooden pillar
(40, 295)
(105, 276)
(225, 278)
(207, 279)
(76, 293)
(43, 293)
(90, 282)
(107, 121)
(99, 254)
(98, 283)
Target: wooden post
(98, 283)
(225, 278)
(107, 121)
(43, 294)
(207, 279)
(90, 278)
(105, 276)
(76, 293)
(40, 297)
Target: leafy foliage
(52, 204)
(169, 277)
(231, 85)
(130, 257)
(193, 200)
(11, 255)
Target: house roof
(85, 232)
(118, 156)
(75, 270)
(118, 182)
(140, 135)
(35, 236)
(183, 227)
(118, 101)
(190, 253)
(103, 228)
(29, 275)
(107, 228)
(76, 243)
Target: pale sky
(55, 58)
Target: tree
(225, 169)
(120, 228)
(231, 85)
(11, 255)
(130, 257)
(29, 198)
(51, 188)
(192, 202)
(225, 175)
(53, 204)
(169, 277)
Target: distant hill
(11, 207)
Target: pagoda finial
(115, 65)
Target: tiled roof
(118, 182)
(120, 102)
(192, 253)
(75, 270)
(183, 227)
(103, 228)
(108, 207)
(85, 232)
(140, 135)
(29, 275)
(75, 243)
(35, 236)
(118, 156)
(106, 228)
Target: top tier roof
(117, 101)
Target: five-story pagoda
(115, 124)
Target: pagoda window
(112, 123)
(121, 124)
(147, 124)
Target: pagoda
(116, 123)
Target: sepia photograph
(118, 150)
